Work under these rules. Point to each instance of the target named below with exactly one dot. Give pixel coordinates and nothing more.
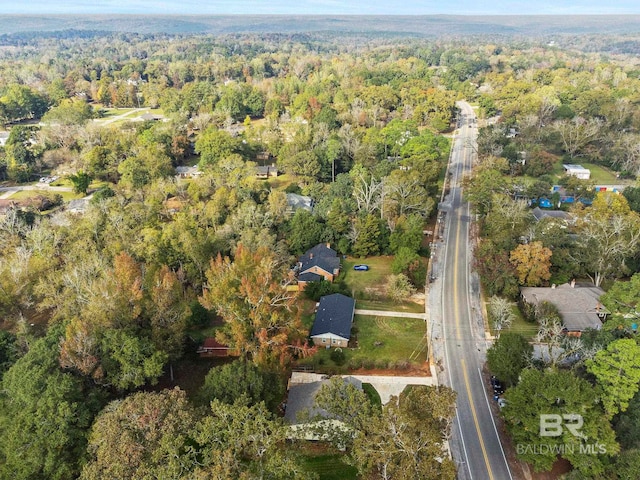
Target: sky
(321, 7)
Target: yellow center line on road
(475, 419)
(456, 311)
(455, 281)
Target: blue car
(361, 268)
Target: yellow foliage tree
(532, 262)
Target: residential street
(457, 330)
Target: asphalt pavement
(457, 326)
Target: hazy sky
(321, 7)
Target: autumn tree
(532, 262)
(261, 321)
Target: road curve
(475, 443)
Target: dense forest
(98, 306)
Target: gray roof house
(539, 214)
(579, 306)
(295, 202)
(321, 260)
(334, 318)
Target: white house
(577, 171)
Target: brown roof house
(318, 263)
(334, 318)
(212, 348)
(579, 306)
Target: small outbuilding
(577, 171)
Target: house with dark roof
(212, 348)
(579, 306)
(266, 171)
(540, 214)
(319, 262)
(334, 318)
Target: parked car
(498, 389)
(361, 268)
(501, 402)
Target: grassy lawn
(368, 288)
(24, 194)
(325, 461)
(520, 325)
(599, 174)
(383, 342)
(282, 181)
(373, 394)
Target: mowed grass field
(369, 288)
(519, 325)
(381, 342)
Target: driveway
(303, 387)
(384, 313)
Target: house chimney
(310, 256)
(328, 245)
(573, 283)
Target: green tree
(69, 112)
(244, 441)
(508, 356)
(146, 435)
(345, 402)
(399, 287)
(623, 298)
(408, 233)
(558, 392)
(497, 273)
(305, 231)
(44, 416)
(617, 372)
(213, 145)
(242, 380)
(407, 440)
(609, 233)
(8, 351)
(130, 361)
(368, 233)
(80, 181)
(167, 313)
(632, 194)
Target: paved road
(475, 444)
